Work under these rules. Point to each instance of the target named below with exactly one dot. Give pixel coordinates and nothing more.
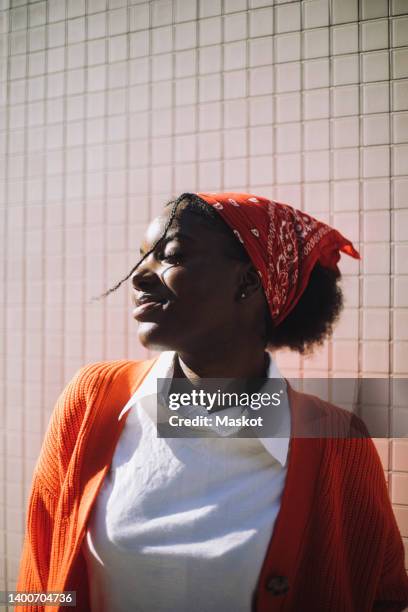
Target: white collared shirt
(182, 522)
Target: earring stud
(243, 295)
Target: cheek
(201, 286)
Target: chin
(152, 337)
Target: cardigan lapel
(100, 441)
(283, 553)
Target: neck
(244, 362)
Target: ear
(250, 283)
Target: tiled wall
(110, 107)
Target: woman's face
(188, 287)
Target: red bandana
(283, 243)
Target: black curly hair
(311, 320)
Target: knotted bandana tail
(283, 243)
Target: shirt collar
(277, 446)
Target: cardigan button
(278, 585)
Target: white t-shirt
(182, 523)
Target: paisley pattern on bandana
(283, 243)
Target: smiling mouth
(147, 308)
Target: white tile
(185, 118)
(261, 140)
(139, 44)
(235, 143)
(235, 84)
(56, 10)
(347, 223)
(118, 48)
(287, 47)
(118, 21)
(162, 12)
(376, 130)
(345, 355)
(210, 88)
(375, 66)
(138, 17)
(316, 104)
(400, 325)
(401, 259)
(376, 98)
(399, 7)
(210, 31)
(56, 34)
(235, 55)
(96, 52)
(346, 195)
(235, 113)
(235, 27)
(346, 132)
(346, 69)
(400, 95)
(316, 73)
(37, 14)
(287, 18)
(345, 39)
(400, 192)
(375, 356)
(96, 25)
(316, 197)
(162, 94)
(209, 175)
(96, 78)
(185, 148)
(376, 258)
(401, 292)
(232, 6)
(261, 110)
(210, 8)
(400, 225)
(288, 168)
(185, 63)
(374, 34)
(288, 138)
(376, 194)
(317, 166)
(346, 163)
(344, 11)
(261, 22)
(261, 81)
(400, 159)
(76, 56)
(400, 31)
(316, 135)
(209, 146)
(185, 35)
(186, 91)
(261, 170)
(400, 63)
(185, 10)
(210, 116)
(376, 162)
(315, 13)
(235, 170)
(162, 40)
(76, 30)
(210, 59)
(36, 37)
(36, 63)
(315, 43)
(288, 107)
(260, 51)
(400, 127)
(75, 8)
(287, 77)
(162, 67)
(376, 226)
(374, 8)
(19, 18)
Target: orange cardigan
(335, 547)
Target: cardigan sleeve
(59, 440)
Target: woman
(133, 521)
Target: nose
(146, 274)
